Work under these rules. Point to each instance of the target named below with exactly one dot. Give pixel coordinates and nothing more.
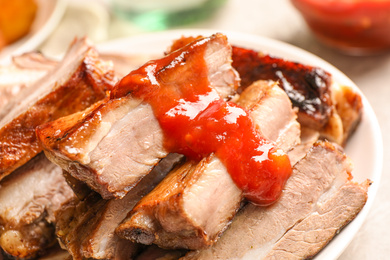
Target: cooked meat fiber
(34, 60)
(194, 204)
(29, 198)
(78, 81)
(113, 146)
(87, 228)
(315, 231)
(308, 138)
(21, 73)
(305, 213)
(271, 111)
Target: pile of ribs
(84, 166)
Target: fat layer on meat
(78, 81)
(29, 199)
(304, 213)
(114, 145)
(194, 204)
(87, 228)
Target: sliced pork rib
(110, 148)
(194, 204)
(29, 199)
(22, 73)
(78, 81)
(87, 228)
(320, 181)
(316, 230)
(173, 214)
(272, 112)
(114, 145)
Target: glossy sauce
(197, 122)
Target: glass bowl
(353, 26)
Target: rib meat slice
(195, 202)
(21, 73)
(315, 231)
(78, 81)
(320, 179)
(114, 145)
(79, 222)
(87, 228)
(29, 198)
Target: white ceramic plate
(365, 147)
(48, 15)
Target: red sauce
(197, 122)
(350, 25)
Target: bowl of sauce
(353, 26)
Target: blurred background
(105, 20)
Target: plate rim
(309, 58)
(31, 42)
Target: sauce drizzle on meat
(197, 121)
